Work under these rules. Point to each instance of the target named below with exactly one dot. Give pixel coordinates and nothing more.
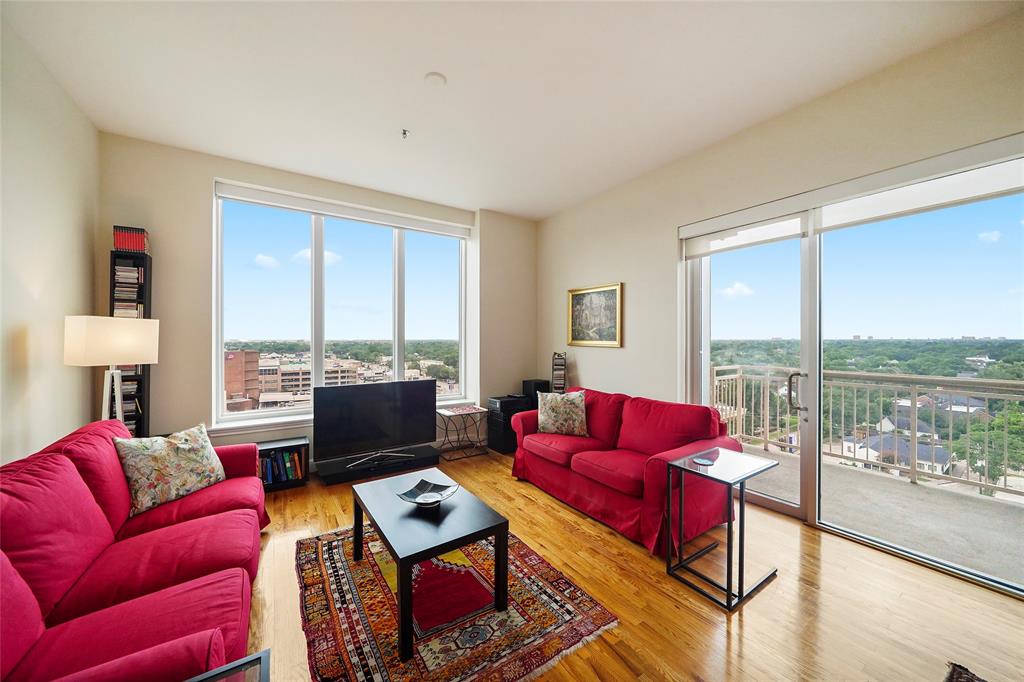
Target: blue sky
(267, 278)
(948, 273)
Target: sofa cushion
(51, 527)
(173, 661)
(164, 557)
(232, 493)
(653, 426)
(558, 448)
(217, 601)
(621, 470)
(604, 414)
(91, 449)
(21, 623)
(163, 469)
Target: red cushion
(558, 448)
(622, 470)
(604, 414)
(220, 600)
(164, 557)
(21, 623)
(50, 526)
(179, 659)
(92, 451)
(233, 493)
(653, 426)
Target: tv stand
(379, 453)
(379, 463)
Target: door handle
(791, 391)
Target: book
(280, 467)
(288, 466)
(297, 464)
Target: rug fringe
(534, 674)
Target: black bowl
(427, 494)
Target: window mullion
(398, 307)
(317, 301)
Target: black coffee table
(413, 535)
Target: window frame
(318, 210)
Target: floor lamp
(91, 341)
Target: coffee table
(413, 535)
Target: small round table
(458, 423)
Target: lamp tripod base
(112, 388)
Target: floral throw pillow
(563, 413)
(161, 469)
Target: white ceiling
(546, 104)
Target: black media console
(352, 469)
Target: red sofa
(91, 594)
(617, 474)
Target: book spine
(288, 466)
(280, 467)
(297, 464)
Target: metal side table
(731, 469)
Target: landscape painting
(595, 316)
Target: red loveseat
(91, 594)
(617, 474)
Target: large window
(310, 296)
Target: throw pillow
(161, 469)
(564, 413)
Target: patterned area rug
(349, 613)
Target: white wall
(49, 185)
(957, 94)
(508, 294)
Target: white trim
(230, 189)
(277, 422)
(984, 154)
(398, 305)
(316, 302)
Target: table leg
(357, 529)
(501, 569)
(728, 550)
(743, 507)
(679, 531)
(668, 520)
(405, 610)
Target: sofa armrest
(178, 659)
(524, 424)
(655, 471)
(239, 460)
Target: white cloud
(737, 289)
(990, 237)
(305, 255)
(265, 262)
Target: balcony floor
(942, 520)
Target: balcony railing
(920, 427)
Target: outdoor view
(267, 306)
(922, 321)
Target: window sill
(261, 424)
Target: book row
(280, 466)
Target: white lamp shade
(90, 341)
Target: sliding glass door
(874, 346)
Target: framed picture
(595, 316)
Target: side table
(460, 427)
(731, 469)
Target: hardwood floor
(837, 611)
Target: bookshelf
(131, 295)
(278, 462)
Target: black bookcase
(278, 461)
(133, 297)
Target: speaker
(531, 387)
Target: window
(312, 296)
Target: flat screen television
(366, 418)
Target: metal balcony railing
(919, 427)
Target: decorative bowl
(426, 494)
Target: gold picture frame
(589, 316)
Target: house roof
(888, 443)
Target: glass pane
(753, 303)
(358, 302)
(433, 268)
(923, 388)
(266, 306)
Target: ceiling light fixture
(436, 78)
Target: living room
(458, 341)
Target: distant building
(241, 379)
(890, 448)
(980, 361)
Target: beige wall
(49, 184)
(508, 294)
(169, 191)
(957, 94)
